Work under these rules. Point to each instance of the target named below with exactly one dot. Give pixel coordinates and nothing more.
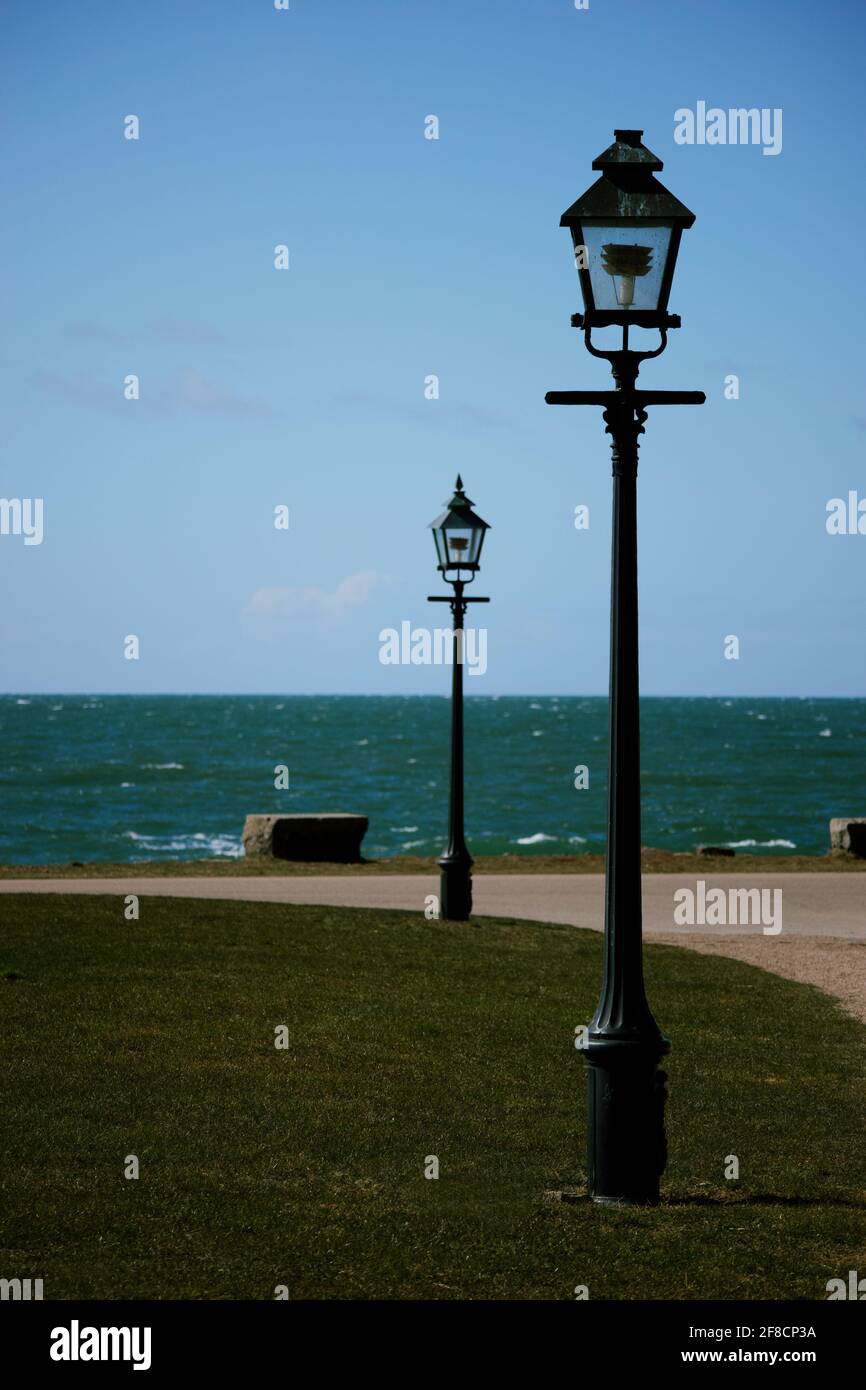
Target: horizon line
(394, 695)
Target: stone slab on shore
(848, 835)
(332, 837)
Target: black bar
(638, 398)
(605, 398)
(204, 1339)
(669, 398)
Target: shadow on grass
(701, 1199)
(760, 1199)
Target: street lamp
(626, 231)
(459, 535)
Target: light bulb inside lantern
(625, 264)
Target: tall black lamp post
(626, 230)
(459, 535)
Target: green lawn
(407, 1038)
(653, 861)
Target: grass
(407, 1038)
(653, 861)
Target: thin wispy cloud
(81, 390)
(283, 603)
(186, 390)
(195, 332)
(190, 390)
(435, 414)
(171, 330)
(95, 333)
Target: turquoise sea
(111, 777)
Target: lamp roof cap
(627, 148)
(628, 189)
(459, 513)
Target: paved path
(822, 942)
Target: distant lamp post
(459, 535)
(626, 231)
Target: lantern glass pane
(627, 262)
(464, 544)
(441, 549)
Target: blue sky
(410, 257)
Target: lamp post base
(455, 890)
(626, 1097)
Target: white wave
(762, 844)
(534, 839)
(404, 829)
(221, 846)
(537, 733)
(22, 702)
(825, 733)
(577, 839)
(159, 767)
(412, 844)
